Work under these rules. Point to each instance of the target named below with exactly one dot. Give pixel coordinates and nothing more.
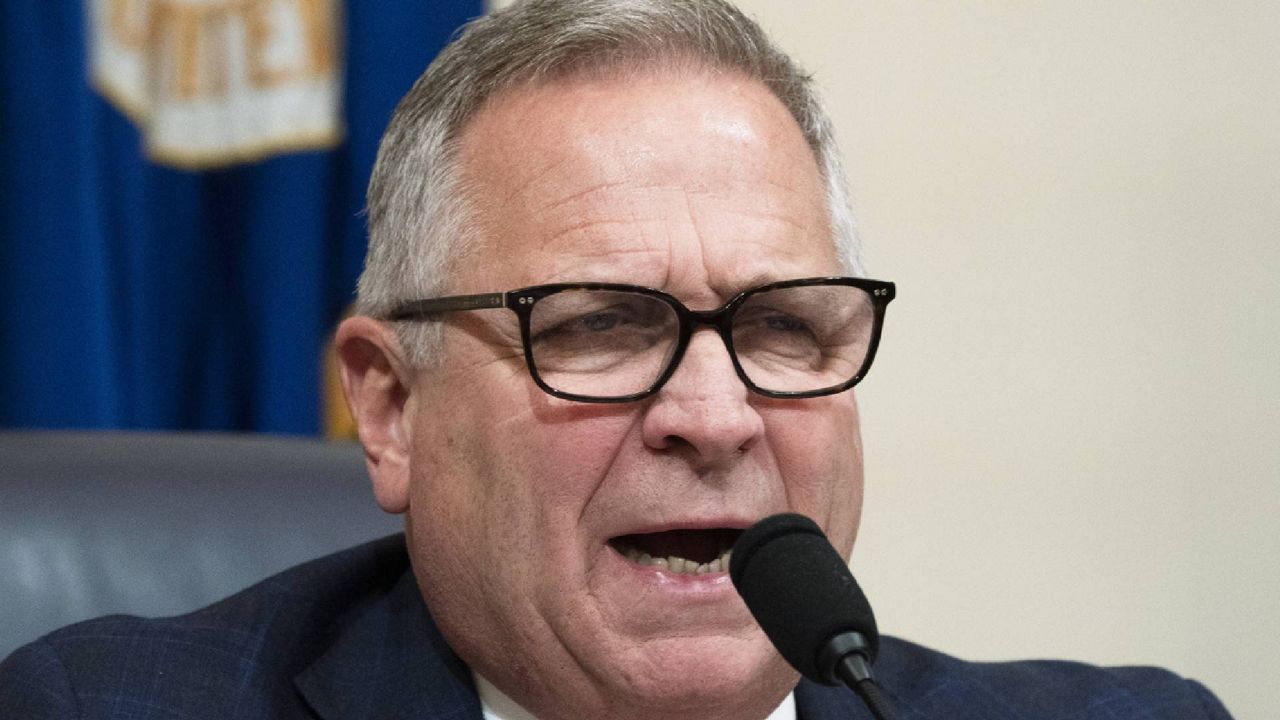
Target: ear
(376, 382)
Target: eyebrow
(755, 280)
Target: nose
(703, 410)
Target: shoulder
(931, 683)
(235, 658)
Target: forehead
(695, 181)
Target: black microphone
(804, 597)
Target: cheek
(571, 447)
(516, 488)
(819, 452)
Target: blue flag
(180, 195)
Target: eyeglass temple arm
(420, 308)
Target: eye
(786, 323)
(603, 320)
(599, 321)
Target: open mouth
(686, 552)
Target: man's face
(700, 185)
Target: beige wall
(1073, 430)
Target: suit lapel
(391, 663)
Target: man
(609, 319)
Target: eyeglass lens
(609, 343)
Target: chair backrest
(94, 523)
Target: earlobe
(376, 384)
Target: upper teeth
(678, 564)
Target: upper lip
(718, 523)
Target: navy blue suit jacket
(348, 637)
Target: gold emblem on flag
(215, 82)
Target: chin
(706, 678)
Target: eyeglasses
(613, 343)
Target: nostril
(708, 423)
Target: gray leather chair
(161, 524)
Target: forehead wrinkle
(596, 230)
(764, 206)
(534, 179)
(583, 154)
(622, 230)
(623, 187)
(740, 270)
(582, 194)
(768, 215)
(672, 263)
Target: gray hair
(418, 217)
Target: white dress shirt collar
(497, 706)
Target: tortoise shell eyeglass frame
(523, 300)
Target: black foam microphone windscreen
(800, 591)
